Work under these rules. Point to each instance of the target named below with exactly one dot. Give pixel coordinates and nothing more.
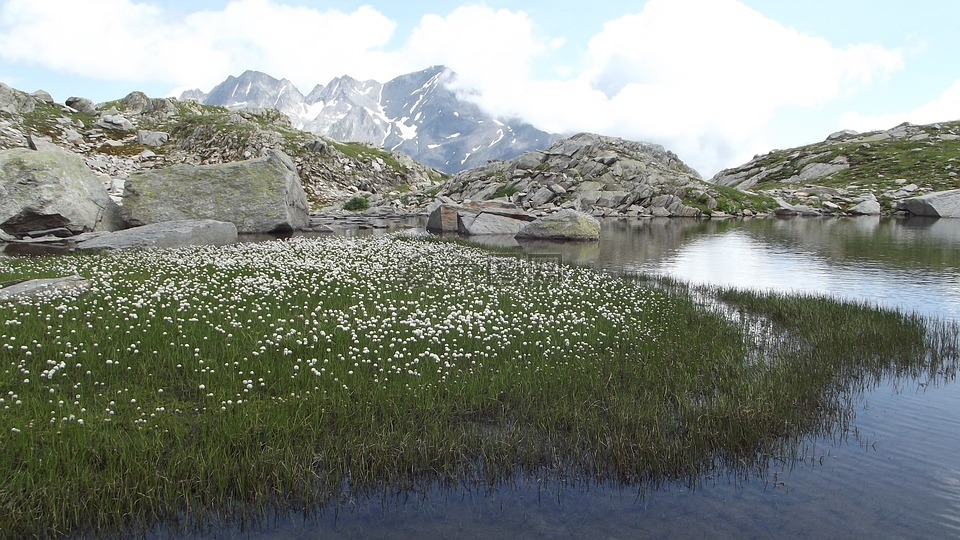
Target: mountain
(417, 114)
(606, 176)
(850, 171)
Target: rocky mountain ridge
(119, 138)
(852, 172)
(417, 114)
(604, 176)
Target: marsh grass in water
(211, 384)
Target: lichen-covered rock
(939, 204)
(49, 189)
(262, 195)
(563, 225)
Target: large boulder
(262, 195)
(443, 219)
(168, 234)
(564, 225)
(938, 204)
(488, 223)
(13, 101)
(52, 188)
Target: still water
(897, 475)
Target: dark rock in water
(564, 225)
(939, 204)
(168, 234)
(443, 219)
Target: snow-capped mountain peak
(416, 113)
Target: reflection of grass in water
(216, 382)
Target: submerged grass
(217, 383)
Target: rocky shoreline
(76, 175)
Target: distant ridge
(417, 114)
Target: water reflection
(907, 264)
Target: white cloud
(479, 43)
(122, 40)
(701, 76)
(945, 108)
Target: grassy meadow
(219, 383)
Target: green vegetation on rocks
(904, 161)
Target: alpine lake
(890, 470)
(894, 472)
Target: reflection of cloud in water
(739, 259)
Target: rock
(262, 195)
(152, 138)
(787, 210)
(137, 103)
(49, 189)
(843, 134)
(15, 102)
(44, 287)
(167, 234)
(42, 96)
(865, 208)
(564, 225)
(542, 196)
(819, 170)
(115, 122)
(81, 104)
(487, 223)
(443, 219)
(938, 204)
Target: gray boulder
(168, 234)
(47, 286)
(488, 223)
(262, 195)
(152, 138)
(81, 104)
(865, 208)
(52, 188)
(564, 225)
(13, 101)
(939, 204)
(115, 122)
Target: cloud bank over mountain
(710, 79)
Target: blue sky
(716, 81)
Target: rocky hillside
(850, 170)
(417, 114)
(605, 176)
(136, 133)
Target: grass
(219, 383)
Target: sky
(715, 81)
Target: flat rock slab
(50, 286)
(167, 234)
